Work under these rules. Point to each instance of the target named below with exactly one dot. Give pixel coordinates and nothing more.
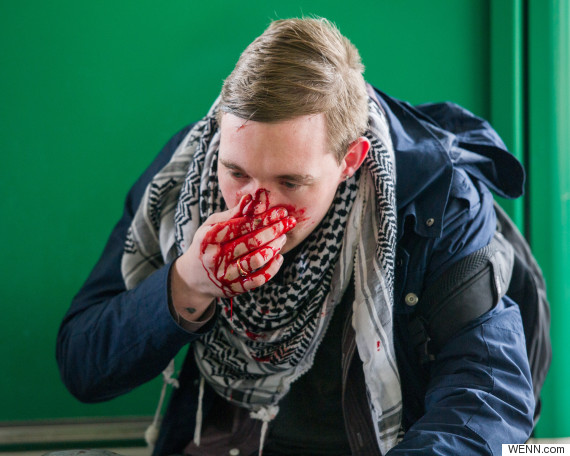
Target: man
(287, 237)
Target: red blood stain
(259, 203)
(262, 359)
(244, 202)
(252, 336)
(378, 345)
(298, 214)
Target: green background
(90, 91)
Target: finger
(235, 288)
(258, 204)
(243, 203)
(263, 275)
(236, 211)
(261, 200)
(252, 261)
(236, 227)
(214, 279)
(252, 241)
(210, 256)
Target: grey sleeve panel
(467, 290)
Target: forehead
(302, 133)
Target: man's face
(290, 159)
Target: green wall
(90, 91)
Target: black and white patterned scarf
(265, 339)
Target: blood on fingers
(240, 238)
(239, 226)
(244, 203)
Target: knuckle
(240, 249)
(255, 262)
(258, 281)
(221, 232)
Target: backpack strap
(464, 292)
(528, 290)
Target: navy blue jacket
(475, 396)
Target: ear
(355, 155)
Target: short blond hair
(299, 67)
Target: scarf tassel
(151, 433)
(265, 414)
(198, 426)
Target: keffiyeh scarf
(265, 339)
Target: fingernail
(246, 208)
(279, 259)
(245, 199)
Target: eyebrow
(303, 179)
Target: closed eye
(238, 175)
(290, 185)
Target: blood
(378, 345)
(252, 336)
(261, 198)
(262, 359)
(298, 214)
(244, 202)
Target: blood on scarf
(262, 359)
(253, 336)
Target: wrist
(186, 300)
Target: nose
(264, 193)
(252, 187)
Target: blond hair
(299, 67)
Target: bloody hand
(242, 253)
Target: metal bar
(507, 98)
(86, 431)
(549, 141)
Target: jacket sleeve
(479, 394)
(112, 340)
